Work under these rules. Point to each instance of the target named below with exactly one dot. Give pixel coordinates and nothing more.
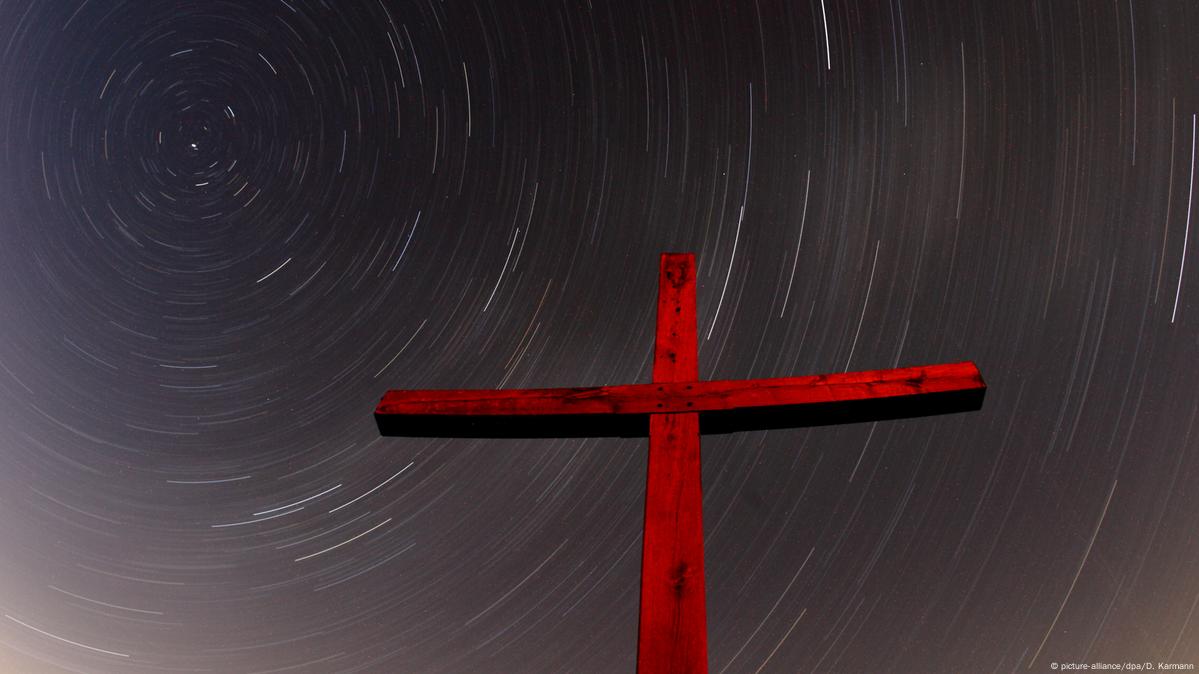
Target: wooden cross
(672, 631)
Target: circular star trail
(226, 228)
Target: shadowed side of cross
(674, 410)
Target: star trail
(227, 227)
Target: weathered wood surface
(687, 396)
(672, 632)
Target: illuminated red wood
(688, 396)
(672, 633)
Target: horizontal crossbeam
(398, 408)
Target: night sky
(227, 227)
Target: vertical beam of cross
(672, 631)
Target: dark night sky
(227, 227)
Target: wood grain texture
(672, 630)
(688, 396)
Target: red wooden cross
(672, 633)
